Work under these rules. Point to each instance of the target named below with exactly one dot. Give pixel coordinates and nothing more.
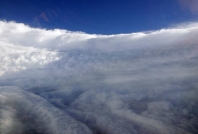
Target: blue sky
(99, 16)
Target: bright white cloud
(73, 82)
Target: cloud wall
(73, 82)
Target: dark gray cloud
(72, 82)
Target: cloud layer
(73, 82)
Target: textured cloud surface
(63, 82)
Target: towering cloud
(58, 81)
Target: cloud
(73, 82)
(33, 110)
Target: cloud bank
(58, 81)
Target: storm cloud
(63, 82)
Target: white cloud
(48, 119)
(75, 82)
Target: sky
(100, 16)
(99, 67)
